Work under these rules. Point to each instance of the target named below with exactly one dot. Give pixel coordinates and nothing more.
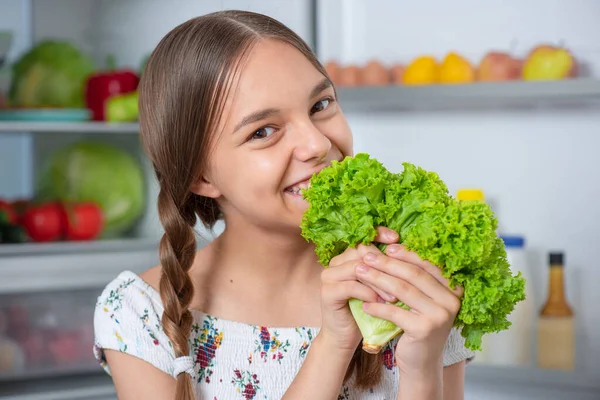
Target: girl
(236, 115)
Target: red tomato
(43, 223)
(10, 212)
(83, 221)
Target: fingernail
(370, 257)
(362, 269)
(392, 235)
(365, 306)
(380, 300)
(392, 249)
(389, 297)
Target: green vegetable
(10, 233)
(348, 199)
(52, 74)
(4, 218)
(122, 108)
(98, 172)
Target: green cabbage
(105, 174)
(348, 199)
(51, 74)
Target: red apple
(498, 66)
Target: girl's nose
(311, 144)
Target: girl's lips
(298, 187)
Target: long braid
(365, 367)
(177, 251)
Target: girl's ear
(203, 187)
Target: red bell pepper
(105, 84)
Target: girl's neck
(257, 277)
(273, 257)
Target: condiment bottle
(556, 325)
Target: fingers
(346, 272)
(405, 319)
(343, 272)
(409, 283)
(340, 292)
(416, 325)
(403, 290)
(386, 235)
(400, 252)
(354, 254)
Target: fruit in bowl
(423, 70)
(456, 69)
(497, 66)
(374, 73)
(349, 76)
(549, 62)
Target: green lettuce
(348, 199)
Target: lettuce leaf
(348, 199)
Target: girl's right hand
(339, 284)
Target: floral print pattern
(112, 303)
(307, 335)
(232, 360)
(145, 322)
(246, 383)
(268, 344)
(205, 343)
(389, 359)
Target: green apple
(547, 62)
(122, 108)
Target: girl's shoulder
(127, 318)
(129, 289)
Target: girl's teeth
(299, 188)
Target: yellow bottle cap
(470, 194)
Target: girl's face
(281, 124)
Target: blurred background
(500, 99)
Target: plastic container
(516, 345)
(46, 333)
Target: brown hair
(182, 94)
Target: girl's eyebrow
(255, 117)
(324, 84)
(269, 112)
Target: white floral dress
(232, 360)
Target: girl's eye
(263, 133)
(320, 106)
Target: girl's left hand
(433, 306)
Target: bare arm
(447, 384)
(132, 376)
(322, 374)
(454, 381)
